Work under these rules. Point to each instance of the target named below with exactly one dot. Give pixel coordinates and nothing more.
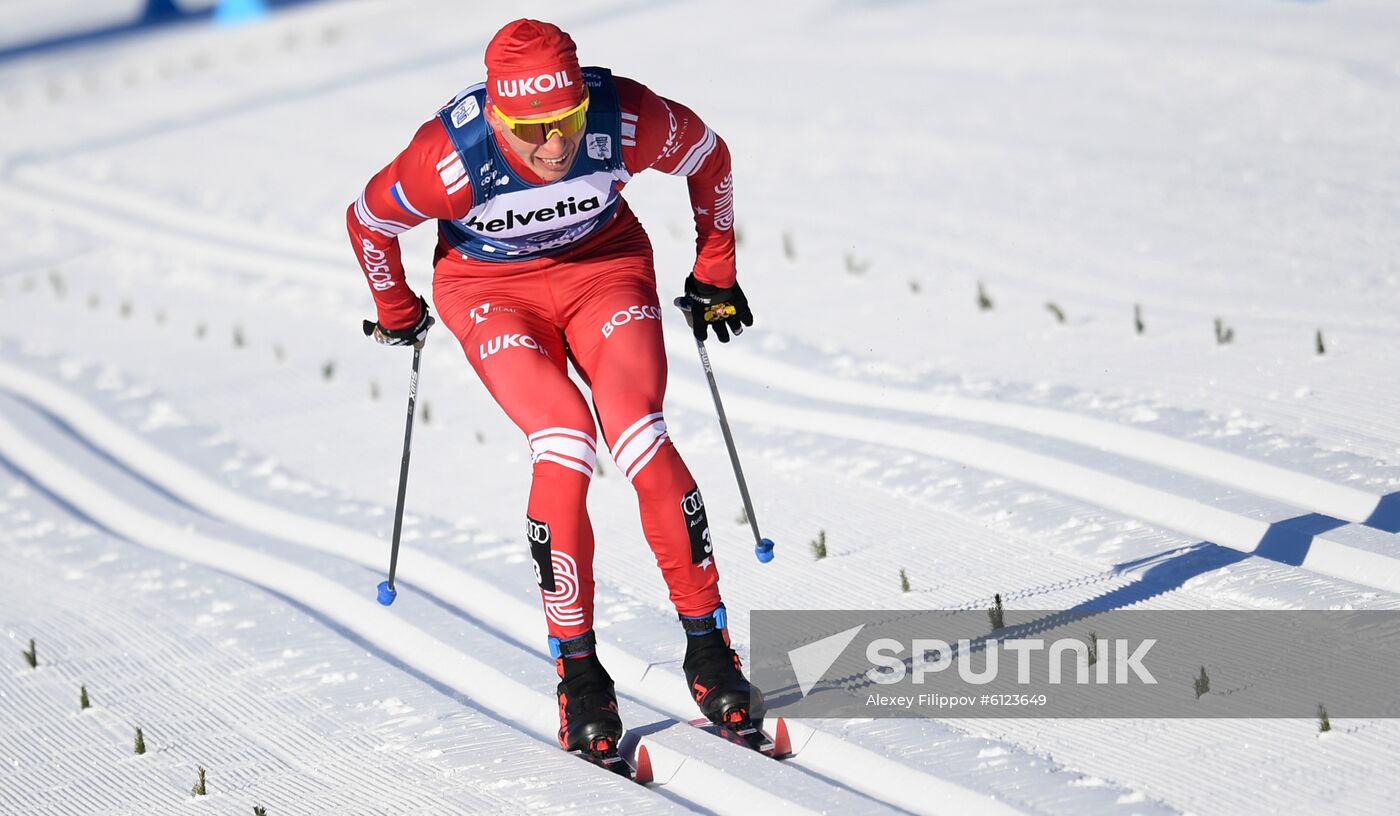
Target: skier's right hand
(411, 336)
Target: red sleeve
(425, 181)
(668, 136)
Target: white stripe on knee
(639, 443)
(564, 446)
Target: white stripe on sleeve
(697, 155)
(380, 225)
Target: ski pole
(387, 593)
(763, 547)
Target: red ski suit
(595, 303)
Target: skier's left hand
(725, 309)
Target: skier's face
(550, 161)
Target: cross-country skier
(540, 261)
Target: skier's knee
(567, 447)
(639, 443)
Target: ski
(639, 770)
(750, 735)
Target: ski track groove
(105, 214)
(88, 627)
(680, 756)
(825, 755)
(1201, 461)
(245, 755)
(1190, 517)
(248, 756)
(1352, 430)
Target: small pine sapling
(1321, 346)
(239, 341)
(997, 615)
(903, 580)
(1137, 318)
(259, 810)
(789, 251)
(984, 302)
(328, 370)
(743, 516)
(819, 545)
(1093, 648)
(856, 266)
(199, 788)
(1223, 334)
(373, 390)
(427, 414)
(1055, 310)
(140, 742)
(1323, 724)
(83, 702)
(32, 655)
(1202, 683)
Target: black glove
(402, 337)
(721, 308)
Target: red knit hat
(531, 68)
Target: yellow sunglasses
(539, 131)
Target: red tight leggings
(518, 324)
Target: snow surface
(198, 452)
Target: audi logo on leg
(692, 504)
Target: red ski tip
(642, 773)
(782, 743)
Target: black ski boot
(713, 674)
(588, 719)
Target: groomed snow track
(690, 766)
(685, 761)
